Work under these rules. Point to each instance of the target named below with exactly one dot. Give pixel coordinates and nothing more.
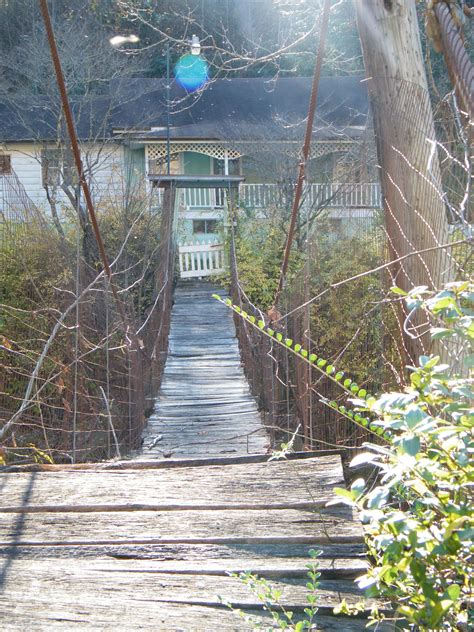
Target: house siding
(108, 172)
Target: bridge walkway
(204, 407)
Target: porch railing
(330, 195)
(200, 260)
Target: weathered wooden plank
(190, 524)
(156, 465)
(336, 562)
(284, 482)
(109, 616)
(86, 579)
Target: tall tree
(410, 174)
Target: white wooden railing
(201, 260)
(256, 196)
(331, 195)
(196, 198)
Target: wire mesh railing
(75, 382)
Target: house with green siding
(142, 129)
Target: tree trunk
(415, 213)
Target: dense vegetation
(419, 516)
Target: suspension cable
(305, 153)
(77, 156)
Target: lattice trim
(214, 150)
(318, 148)
(157, 151)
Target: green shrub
(419, 518)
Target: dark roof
(38, 120)
(230, 109)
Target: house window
(5, 165)
(50, 167)
(234, 166)
(204, 226)
(57, 164)
(159, 166)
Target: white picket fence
(200, 260)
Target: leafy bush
(271, 599)
(419, 518)
(139, 230)
(259, 250)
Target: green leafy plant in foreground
(419, 518)
(271, 599)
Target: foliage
(259, 252)
(271, 600)
(139, 230)
(352, 318)
(419, 518)
(351, 322)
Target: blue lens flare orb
(191, 72)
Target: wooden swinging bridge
(153, 542)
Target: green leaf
(410, 445)
(347, 382)
(441, 332)
(322, 362)
(454, 592)
(304, 353)
(313, 357)
(288, 342)
(339, 375)
(297, 348)
(330, 369)
(397, 290)
(428, 362)
(362, 459)
(261, 324)
(345, 494)
(270, 332)
(279, 337)
(362, 393)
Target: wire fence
(83, 390)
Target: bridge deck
(204, 407)
(150, 547)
